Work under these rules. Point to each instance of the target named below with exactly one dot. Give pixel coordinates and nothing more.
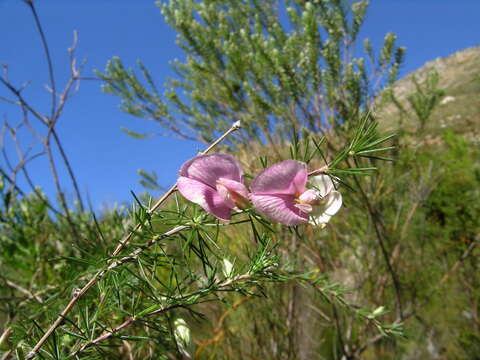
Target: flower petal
(279, 208)
(286, 177)
(233, 192)
(306, 208)
(209, 168)
(310, 196)
(334, 203)
(234, 186)
(323, 183)
(320, 221)
(323, 213)
(203, 195)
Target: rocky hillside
(459, 109)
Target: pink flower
(215, 183)
(279, 193)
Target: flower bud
(182, 336)
(227, 268)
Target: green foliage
(401, 254)
(279, 73)
(456, 220)
(424, 100)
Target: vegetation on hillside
(393, 275)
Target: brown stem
(56, 181)
(69, 169)
(47, 54)
(132, 319)
(170, 191)
(381, 242)
(95, 279)
(118, 249)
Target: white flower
(330, 200)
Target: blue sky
(104, 158)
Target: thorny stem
(119, 248)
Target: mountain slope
(459, 109)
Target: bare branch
(47, 55)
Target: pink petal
(310, 196)
(226, 196)
(209, 168)
(233, 192)
(306, 208)
(279, 208)
(234, 186)
(205, 196)
(286, 177)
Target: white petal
(323, 213)
(334, 203)
(321, 220)
(323, 183)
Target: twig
(5, 335)
(94, 280)
(51, 74)
(170, 191)
(56, 109)
(112, 332)
(119, 248)
(459, 262)
(133, 319)
(23, 291)
(381, 242)
(466, 254)
(12, 183)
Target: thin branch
(51, 128)
(170, 191)
(51, 74)
(5, 335)
(455, 266)
(113, 331)
(56, 110)
(23, 290)
(459, 262)
(39, 194)
(94, 280)
(381, 242)
(23, 102)
(7, 100)
(12, 183)
(133, 319)
(119, 248)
